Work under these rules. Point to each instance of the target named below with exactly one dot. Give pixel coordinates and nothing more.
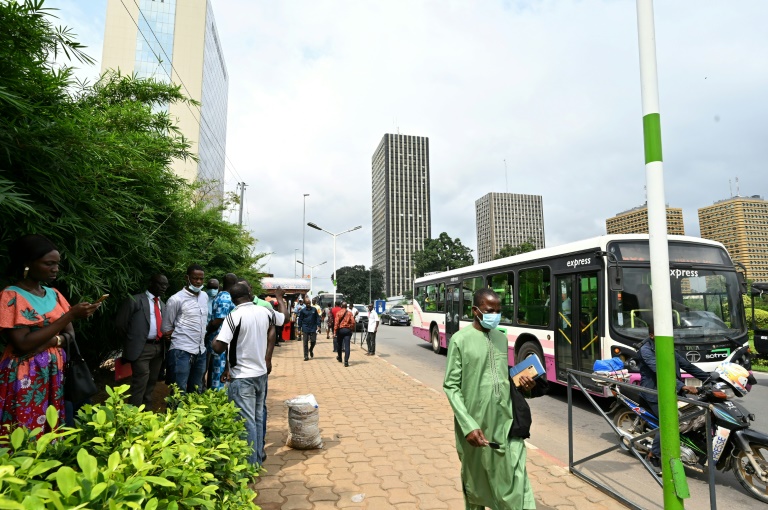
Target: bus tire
(434, 336)
(530, 348)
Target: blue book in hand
(530, 366)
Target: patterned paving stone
(376, 446)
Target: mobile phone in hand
(493, 445)
(101, 299)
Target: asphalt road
(619, 470)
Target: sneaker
(655, 463)
(346, 364)
(338, 358)
(306, 359)
(311, 354)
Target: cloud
(550, 86)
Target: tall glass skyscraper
(177, 41)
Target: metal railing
(701, 408)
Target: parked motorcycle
(734, 445)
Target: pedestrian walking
(296, 309)
(373, 327)
(222, 306)
(139, 321)
(336, 309)
(328, 322)
(316, 306)
(244, 336)
(344, 324)
(184, 323)
(309, 321)
(477, 383)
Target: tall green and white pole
(673, 474)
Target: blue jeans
(186, 370)
(264, 428)
(249, 395)
(344, 336)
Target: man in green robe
(477, 386)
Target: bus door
(577, 336)
(452, 310)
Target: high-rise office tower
(741, 224)
(507, 219)
(400, 206)
(177, 41)
(635, 221)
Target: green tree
(441, 254)
(89, 167)
(353, 282)
(508, 250)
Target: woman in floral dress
(35, 324)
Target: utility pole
(242, 186)
(673, 473)
(303, 230)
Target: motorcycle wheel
(628, 422)
(746, 475)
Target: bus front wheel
(530, 349)
(435, 337)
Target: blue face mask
(490, 320)
(212, 292)
(193, 288)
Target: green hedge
(124, 457)
(761, 318)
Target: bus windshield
(706, 305)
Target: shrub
(761, 318)
(125, 457)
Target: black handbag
(521, 414)
(79, 385)
(521, 411)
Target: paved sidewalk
(387, 437)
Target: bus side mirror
(615, 278)
(742, 282)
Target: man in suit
(139, 320)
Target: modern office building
(177, 41)
(741, 224)
(635, 221)
(507, 219)
(400, 207)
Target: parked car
(362, 317)
(396, 317)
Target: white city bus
(588, 300)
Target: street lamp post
(313, 225)
(303, 227)
(295, 259)
(311, 272)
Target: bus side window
(532, 297)
(469, 286)
(503, 285)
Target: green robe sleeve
(452, 388)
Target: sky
(550, 86)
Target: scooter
(734, 445)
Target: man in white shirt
(373, 327)
(249, 351)
(184, 323)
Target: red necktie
(158, 317)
